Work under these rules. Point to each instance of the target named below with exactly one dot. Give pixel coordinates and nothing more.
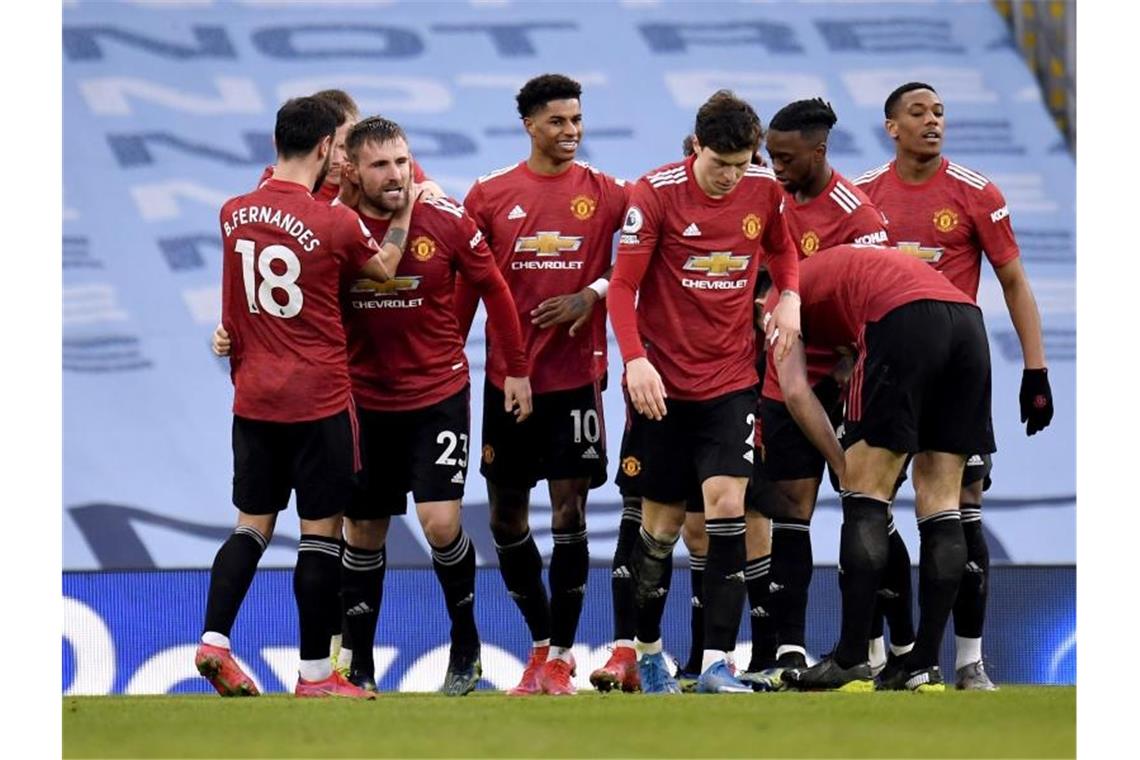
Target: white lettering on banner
(1025, 193)
(691, 88)
(955, 85)
(283, 662)
(388, 93)
(160, 200)
(514, 82)
(163, 671)
(92, 649)
(501, 668)
(94, 302)
(110, 96)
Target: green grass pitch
(1013, 722)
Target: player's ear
(324, 146)
(892, 129)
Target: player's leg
(325, 460)
(970, 607)
(510, 469)
(259, 493)
(651, 565)
(696, 542)
(893, 604)
(361, 594)
(759, 581)
(792, 567)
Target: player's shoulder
(973, 180)
(499, 177)
(595, 174)
(442, 207)
(871, 176)
(849, 196)
(666, 175)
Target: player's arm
(868, 226)
(382, 266)
(783, 261)
(995, 232)
(466, 297)
(477, 264)
(638, 242)
(805, 408)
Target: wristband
(600, 286)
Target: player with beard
(294, 422)
(949, 215)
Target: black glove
(1036, 400)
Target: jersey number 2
(270, 280)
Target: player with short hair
(294, 422)
(948, 215)
(691, 245)
(550, 221)
(920, 387)
(822, 209)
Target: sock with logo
(361, 592)
(234, 566)
(941, 562)
(758, 581)
(697, 564)
(862, 560)
(316, 586)
(791, 571)
(569, 571)
(454, 566)
(724, 582)
(651, 564)
(970, 607)
(520, 564)
(621, 582)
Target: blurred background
(168, 110)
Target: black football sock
(234, 567)
(941, 563)
(454, 566)
(791, 570)
(970, 607)
(621, 583)
(316, 586)
(569, 569)
(521, 567)
(895, 595)
(758, 579)
(697, 564)
(862, 560)
(651, 564)
(724, 582)
(361, 592)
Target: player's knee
(694, 535)
(568, 514)
(507, 527)
(440, 528)
(366, 534)
(722, 503)
(946, 561)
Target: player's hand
(1036, 399)
(430, 189)
(220, 342)
(646, 390)
(783, 329)
(575, 308)
(516, 392)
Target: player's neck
(364, 208)
(818, 184)
(540, 163)
(914, 169)
(299, 172)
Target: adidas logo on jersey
(516, 213)
(692, 231)
(590, 453)
(457, 477)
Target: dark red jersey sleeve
(639, 235)
(990, 213)
(867, 225)
(781, 255)
(327, 192)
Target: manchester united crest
(488, 453)
(423, 248)
(945, 219)
(631, 466)
(583, 207)
(751, 226)
(809, 243)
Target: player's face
(719, 173)
(382, 170)
(339, 155)
(795, 158)
(326, 149)
(918, 123)
(556, 129)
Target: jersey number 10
(270, 280)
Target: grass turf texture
(1014, 722)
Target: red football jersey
(328, 192)
(283, 254)
(693, 260)
(842, 213)
(552, 236)
(948, 220)
(404, 346)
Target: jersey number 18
(270, 280)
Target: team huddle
(775, 321)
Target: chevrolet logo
(548, 243)
(717, 264)
(931, 255)
(388, 286)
